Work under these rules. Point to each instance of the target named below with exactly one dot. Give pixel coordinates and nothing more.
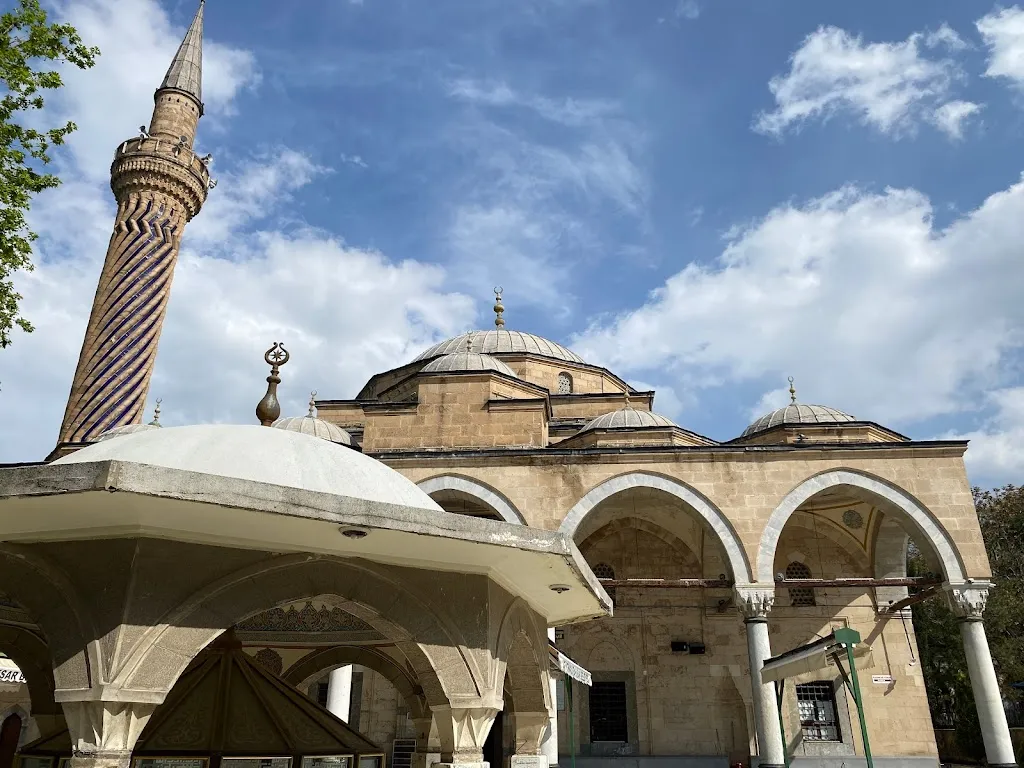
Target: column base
(529, 761)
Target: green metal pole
(860, 705)
(572, 722)
(780, 689)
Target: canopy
(811, 657)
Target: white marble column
(549, 745)
(968, 602)
(339, 692)
(755, 602)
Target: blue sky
(705, 196)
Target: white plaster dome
(500, 341)
(798, 413)
(263, 455)
(126, 429)
(628, 418)
(314, 427)
(466, 361)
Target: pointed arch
(896, 499)
(707, 511)
(479, 491)
(522, 653)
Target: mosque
(496, 553)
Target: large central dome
(501, 341)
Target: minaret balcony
(145, 162)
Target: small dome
(797, 413)
(500, 341)
(261, 455)
(628, 418)
(126, 429)
(311, 425)
(466, 361)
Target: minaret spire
(186, 71)
(159, 184)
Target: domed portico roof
(263, 455)
(628, 418)
(313, 426)
(500, 341)
(797, 413)
(466, 361)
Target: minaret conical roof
(186, 70)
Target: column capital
(967, 599)
(103, 733)
(462, 732)
(755, 600)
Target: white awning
(815, 657)
(568, 667)
(9, 672)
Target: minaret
(159, 184)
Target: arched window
(564, 384)
(605, 571)
(799, 595)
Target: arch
(49, 596)
(522, 655)
(10, 738)
(711, 515)
(902, 503)
(314, 664)
(430, 640)
(31, 654)
(482, 493)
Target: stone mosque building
(498, 552)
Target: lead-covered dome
(261, 455)
(126, 429)
(500, 341)
(628, 418)
(313, 426)
(466, 361)
(798, 413)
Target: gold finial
(156, 414)
(499, 308)
(312, 404)
(269, 409)
(792, 392)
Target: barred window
(564, 384)
(817, 704)
(608, 712)
(799, 595)
(605, 571)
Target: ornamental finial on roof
(469, 345)
(269, 409)
(792, 392)
(312, 404)
(156, 414)
(499, 308)
(625, 394)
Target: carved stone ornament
(463, 731)
(306, 619)
(968, 600)
(755, 600)
(106, 728)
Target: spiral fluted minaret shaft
(159, 184)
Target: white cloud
(995, 450)
(888, 86)
(1003, 34)
(687, 9)
(857, 294)
(353, 160)
(530, 199)
(951, 117)
(345, 313)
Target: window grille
(817, 704)
(799, 595)
(564, 384)
(608, 720)
(605, 571)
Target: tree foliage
(29, 47)
(1001, 514)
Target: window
(817, 704)
(608, 712)
(799, 595)
(564, 384)
(605, 571)
(321, 694)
